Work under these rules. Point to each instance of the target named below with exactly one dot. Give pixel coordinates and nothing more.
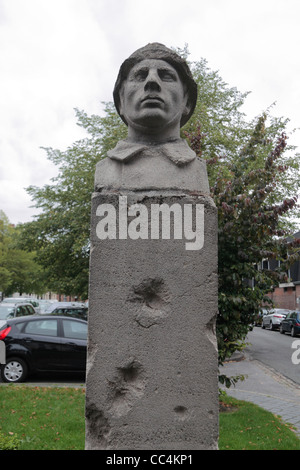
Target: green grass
(43, 418)
(46, 418)
(246, 426)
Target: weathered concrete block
(152, 354)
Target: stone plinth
(152, 355)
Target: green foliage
(218, 113)
(219, 133)
(10, 442)
(60, 234)
(250, 229)
(19, 271)
(5, 277)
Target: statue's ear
(188, 105)
(121, 103)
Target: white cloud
(49, 66)
(60, 54)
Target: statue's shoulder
(152, 168)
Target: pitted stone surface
(152, 313)
(152, 171)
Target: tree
(5, 277)
(60, 234)
(247, 171)
(19, 271)
(250, 230)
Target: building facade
(287, 295)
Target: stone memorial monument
(152, 368)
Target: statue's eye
(141, 74)
(167, 75)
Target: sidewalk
(264, 387)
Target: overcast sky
(57, 55)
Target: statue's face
(153, 96)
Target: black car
(74, 312)
(43, 344)
(70, 309)
(291, 324)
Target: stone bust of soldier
(155, 95)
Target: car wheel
(15, 370)
(281, 330)
(263, 326)
(293, 332)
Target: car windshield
(70, 310)
(6, 312)
(44, 306)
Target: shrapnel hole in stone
(182, 413)
(211, 331)
(150, 292)
(130, 373)
(126, 388)
(120, 392)
(151, 300)
(180, 409)
(97, 422)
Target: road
(275, 350)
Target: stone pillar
(152, 370)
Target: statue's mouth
(152, 99)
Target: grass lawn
(246, 426)
(46, 418)
(43, 418)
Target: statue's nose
(152, 82)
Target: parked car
(273, 318)
(259, 317)
(291, 324)
(11, 310)
(43, 344)
(32, 301)
(71, 309)
(45, 305)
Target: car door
(40, 337)
(73, 344)
(288, 322)
(285, 324)
(292, 320)
(266, 318)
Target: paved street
(264, 385)
(275, 351)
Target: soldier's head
(155, 91)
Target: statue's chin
(155, 124)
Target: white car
(273, 318)
(21, 300)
